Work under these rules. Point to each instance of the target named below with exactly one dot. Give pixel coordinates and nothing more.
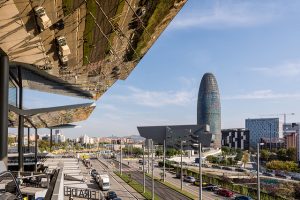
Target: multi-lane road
(188, 187)
(117, 185)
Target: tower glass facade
(209, 107)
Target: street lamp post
(200, 171)
(270, 143)
(152, 170)
(121, 157)
(181, 170)
(148, 169)
(164, 160)
(258, 179)
(144, 175)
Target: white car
(42, 18)
(63, 50)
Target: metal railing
(19, 193)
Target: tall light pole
(270, 143)
(148, 169)
(258, 179)
(144, 175)
(200, 171)
(164, 160)
(181, 170)
(121, 157)
(152, 170)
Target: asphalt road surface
(162, 191)
(188, 187)
(115, 182)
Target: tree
(225, 151)
(283, 165)
(282, 154)
(297, 191)
(159, 152)
(245, 158)
(137, 151)
(11, 140)
(171, 152)
(239, 155)
(212, 159)
(291, 154)
(265, 154)
(44, 145)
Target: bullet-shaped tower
(209, 107)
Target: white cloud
(230, 14)
(157, 98)
(287, 69)
(262, 94)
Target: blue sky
(252, 47)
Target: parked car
(227, 168)
(280, 175)
(240, 169)
(59, 25)
(225, 193)
(63, 50)
(205, 166)
(297, 178)
(178, 175)
(189, 179)
(111, 195)
(94, 173)
(242, 198)
(210, 187)
(267, 174)
(216, 166)
(42, 18)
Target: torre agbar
(209, 107)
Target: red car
(225, 193)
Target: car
(178, 175)
(189, 179)
(296, 178)
(225, 193)
(118, 198)
(280, 175)
(94, 174)
(267, 174)
(243, 198)
(59, 25)
(227, 168)
(216, 167)
(111, 195)
(63, 50)
(210, 187)
(205, 166)
(240, 170)
(42, 18)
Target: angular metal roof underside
(107, 38)
(51, 117)
(40, 80)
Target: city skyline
(251, 47)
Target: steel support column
(28, 140)
(4, 77)
(35, 149)
(20, 125)
(50, 140)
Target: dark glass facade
(209, 107)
